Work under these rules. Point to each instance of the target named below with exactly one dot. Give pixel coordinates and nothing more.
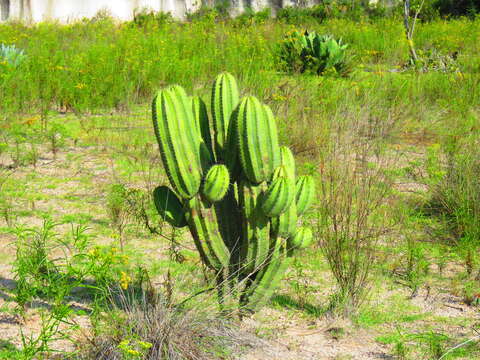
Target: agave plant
(12, 55)
(237, 191)
(314, 53)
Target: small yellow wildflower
(144, 345)
(124, 280)
(133, 352)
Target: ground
(71, 185)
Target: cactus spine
(233, 185)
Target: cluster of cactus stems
(233, 186)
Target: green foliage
(434, 60)
(251, 17)
(458, 7)
(151, 19)
(334, 9)
(313, 53)
(238, 237)
(50, 266)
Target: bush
(312, 53)
(458, 7)
(456, 195)
(353, 212)
(298, 15)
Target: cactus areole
(233, 186)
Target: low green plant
(434, 60)
(12, 55)
(55, 325)
(237, 190)
(313, 53)
(117, 210)
(50, 266)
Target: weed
(117, 210)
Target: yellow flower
(80, 86)
(144, 344)
(124, 280)
(133, 352)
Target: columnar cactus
(237, 193)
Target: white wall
(69, 10)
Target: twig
(458, 346)
(453, 307)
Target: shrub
(250, 17)
(328, 9)
(312, 53)
(353, 217)
(301, 15)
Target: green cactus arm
(225, 97)
(288, 161)
(228, 215)
(285, 225)
(169, 206)
(216, 183)
(301, 240)
(203, 225)
(305, 193)
(255, 243)
(203, 123)
(261, 289)
(178, 140)
(278, 197)
(257, 140)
